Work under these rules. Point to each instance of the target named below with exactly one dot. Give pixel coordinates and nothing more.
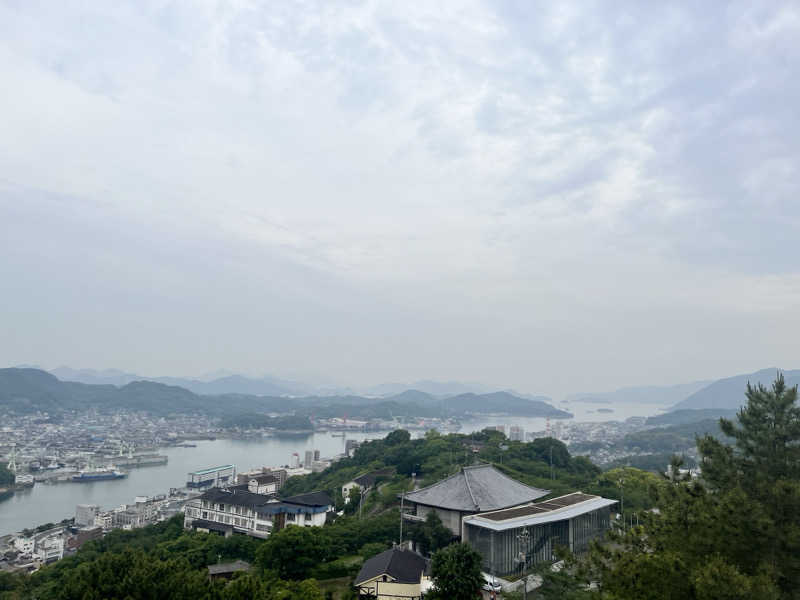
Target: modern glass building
(513, 538)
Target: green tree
(766, 442)
(293, 552)
(763, 467)
(353, 500)
(456, 573)
(431, 535)
(735, 533)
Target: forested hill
(727, 393)
(31, 390)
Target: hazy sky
(549, 196)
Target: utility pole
(402, 497)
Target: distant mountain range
(234, 383)
(229, 384)
(729, 393)
(29, 390)
(661, 395)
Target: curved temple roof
(478, 488)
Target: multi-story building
(263, 484)
(238, 510)
(104, 520)
(516, 433)
(85, 514)
(213, 477)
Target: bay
(50, 503)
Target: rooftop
(404, 566)
(478, 488)
(548, 511)
(230, 567)
(211, 470)
(238, 496)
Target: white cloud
(454, 172)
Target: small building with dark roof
(522, 536)
(474, 489)
(227, 570)
(393, 574)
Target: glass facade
(505, 552)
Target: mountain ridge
(728, 392)
(31, 390)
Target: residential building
(394, 574)
(280, 476)
(309, 458)
(263, 484)
(238, 510)
(527, 535)
(475, 489)
(104, 521)
(84, 535)
(366, 481)
(294, 463)
(85, 514)
(516, 433)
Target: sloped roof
(310, 499)
(226, 568)
(478, 488)
(238, 495)
(404, 566)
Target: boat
(98, 475)
(24, 481)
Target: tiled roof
(404, 566)
(477, 488)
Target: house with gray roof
(394, 574)
(474, 489)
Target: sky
(550, 197)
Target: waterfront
(51, 503)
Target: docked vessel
(98, 475)
(24, 481)
(142, 460)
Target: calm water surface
(50, 503)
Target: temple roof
(478, 488)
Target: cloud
(472, 188)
